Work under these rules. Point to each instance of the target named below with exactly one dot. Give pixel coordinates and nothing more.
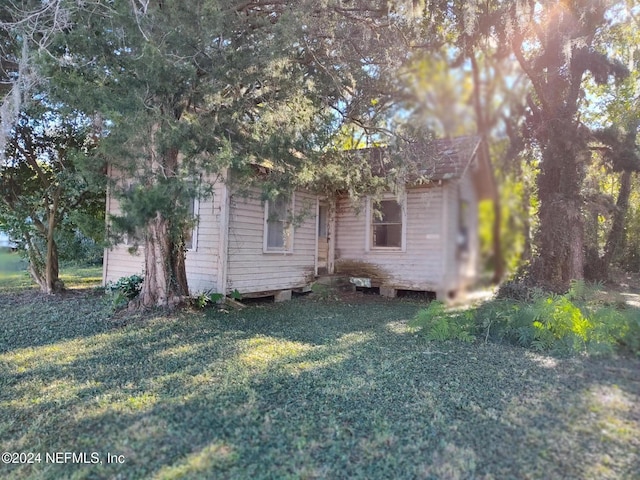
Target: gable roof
(444, 159)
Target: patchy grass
(14, 276)
(81, 276)
(13, 271)
(302, 389)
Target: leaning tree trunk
(599, 268)
(560, 238)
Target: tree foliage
(49, 186)
(556, 45)
(185, 91)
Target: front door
(323, 239)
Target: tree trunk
(526, 222)
(599, 267)
(44, 267)
(53, 282)
(560, 238)
(165, 278)
(165, 275)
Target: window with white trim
(278, 231)
(386, 225)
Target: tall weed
(584, 320)
(436, 323)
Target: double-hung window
(386, 225)
(278, 231)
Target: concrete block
(388, 292)
(282, 296)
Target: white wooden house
(426, 237)
(425, 240)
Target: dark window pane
(275, 235)
(322, 221)
(387, 235)
(389, 211)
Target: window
(191, 234)
(463, 230)
(135, 236)
(386, 225)
(278, 228)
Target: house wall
(202, 264)
(450, 247)
(249, 268)
(469, 263)
(420, 267)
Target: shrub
(207, 298)
(435, 323)
(579, 321)
(123, 290)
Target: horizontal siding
(421, 265)
(201, 263)
(250, 270)
(123, 264)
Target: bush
(124, 290)
(204, 299)
(584, 320)
(579, 321)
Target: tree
(614, 115)
(46, 184)
(554, 43)
(26, 30)
(186, 90)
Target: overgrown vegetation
(439, 325)
(584, 320)
(123, 290)
(305, 389)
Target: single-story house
(424, 239)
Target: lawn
(14, 275)
(305, 389)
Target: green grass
(13, 271)
(303, 389)
(14, 275)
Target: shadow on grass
(29, 318)
(312, 390)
